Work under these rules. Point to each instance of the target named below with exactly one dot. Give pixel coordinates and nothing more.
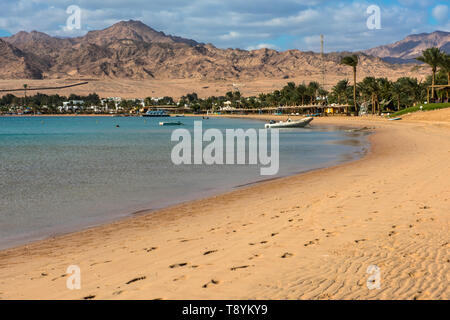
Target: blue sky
(245, 24)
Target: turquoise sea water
(59, 174)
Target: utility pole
(322, 59)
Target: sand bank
(310, 236)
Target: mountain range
(133, 50)
(411, 47)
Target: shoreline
(230, 225)
(18, 242)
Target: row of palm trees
(312, 93)
(380, 94)
(434, 57)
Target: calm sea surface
(59, 174)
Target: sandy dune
(310, 236)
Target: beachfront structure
(111, 104)
(303, 110)
(71, 105)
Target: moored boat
(290, 123)
(156, 113)
(170, 123)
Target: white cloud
(230, 35)
(283, 24)
(440, 13)
(262, 46)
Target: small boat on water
(290, 123)
(156, 113)
(178, 123)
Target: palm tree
(287, 93)
(445, 66)
(432, 57)
(340, 91)
(313, 86)
(385, 88)
(323, 94)
(352, 61)
(25, 86)
(302, 91)
(396, 93)
(370, 89)
(407, 91)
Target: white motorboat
(178, 123)
(290, 123)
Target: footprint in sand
(213, 281)
(239, 267)
(311, 242)
(150, 249)
(360, 240)
(183, 277)
(262, 242)
(136, 279)
(177, 265)
(89, 297)
(95, 263)
(209, 252)
(286, 255)
(61, 276)
(187, 240)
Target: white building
(71, 105)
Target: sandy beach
(309, 236)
